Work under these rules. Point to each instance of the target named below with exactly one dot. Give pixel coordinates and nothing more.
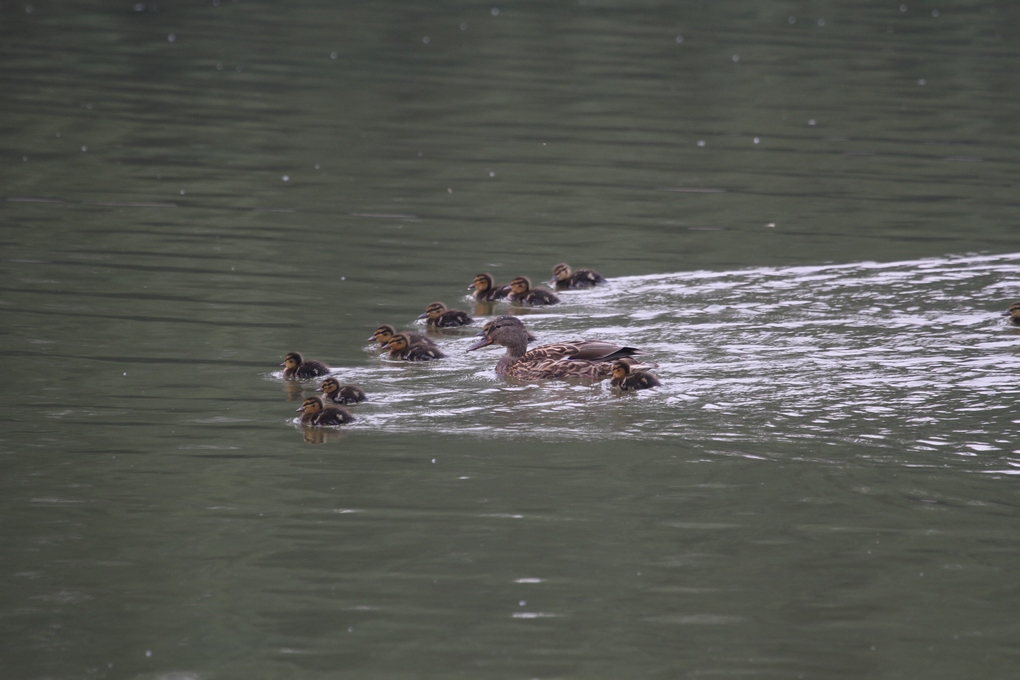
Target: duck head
(312, 405)
(329, 386)
(621, 369)
(433, 311)
(383, 334)
(504, 330)
(482, 283)
(561, 272)
(398, 343)
(520, 285)
(292, 361)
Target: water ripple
(877, 352)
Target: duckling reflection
(564, 279)
(401, 348)
(295, 366)
(316, 413)
(590, 359)
(1013, 313)
(439, 316)
(486, 290)
(383, 334)
(522, 292)
(334, 392)
(627, 378)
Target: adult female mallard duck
(441, 317)
(333, 391)
(564, 279)
(385, 333)
(591, 359)
(626, 378)
(1013, 313)
(295, 366)
(401, 347)
(316, 413)
(486, 290)
(521, 291)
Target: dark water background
(809, 215)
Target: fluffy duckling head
(312, 405)
(292, 361)
(520, 285)
(482, 283)
(1013, 313)
(433, 311)
(398, 343)
(383, 333)
(561, 272)
(329, 386)
(621, 369)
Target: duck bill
(423, 315)
(299, 410)
(471, 287)
(371, 339)
(480, 344)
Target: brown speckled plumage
(590, 359)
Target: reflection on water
(877, 353)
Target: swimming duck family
(522, 292)
(295, 366)
(315, 412)
(564, 278)
(439, 316)
(333, 391)
(592, 359)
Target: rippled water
(910, 357)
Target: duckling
(563, 278)
(627, 379)
(296, 367)
(441, 317)
(575, 359)
(384, 333)
(521, 291)
(1013, 313)
(401, 347)
(333, 391)
(316, 413)
(486, 290)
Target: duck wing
(579, 350)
